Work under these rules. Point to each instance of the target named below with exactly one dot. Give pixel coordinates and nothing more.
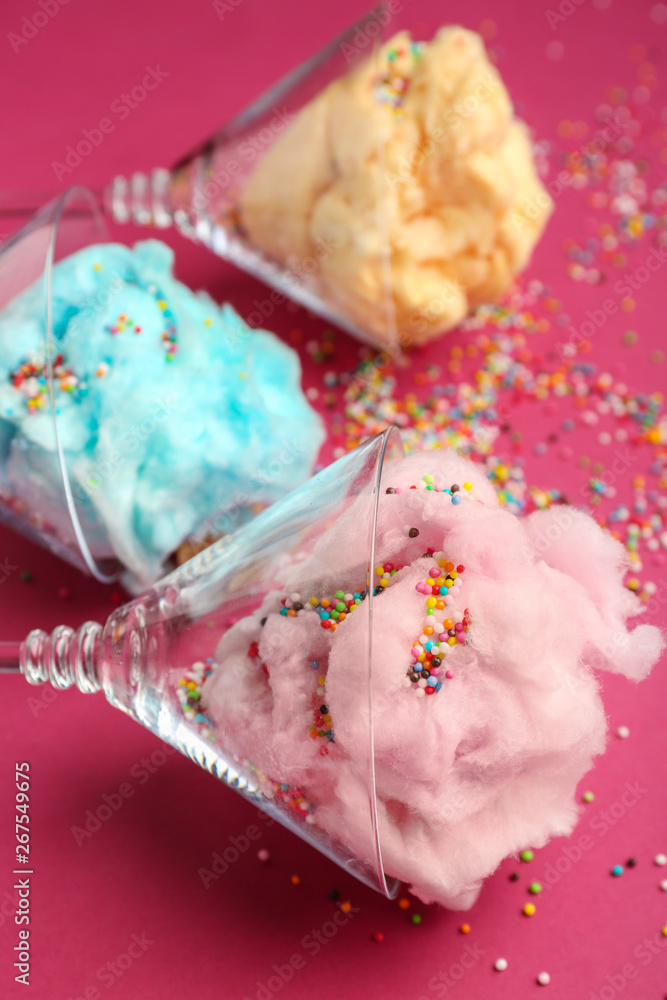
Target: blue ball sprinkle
(456, 499)
(431, 682)
(617, 870)
(314, 664)
(438, 686)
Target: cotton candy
(487, 765)
(175, 420)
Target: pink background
(138, 874)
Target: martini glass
(150, 657)
(200, 194)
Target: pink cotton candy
(490, 763)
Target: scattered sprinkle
(500, 964)
(622, 732)
(544, 979)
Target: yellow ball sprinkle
(379, 570)
(242, 374)
(467, 486)
(321, 680)
(431, 602)
(529, 909)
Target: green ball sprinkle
(428, 479)
(526, 855)
(416, 918)
(534, 887)
(588, 796)
(340, 606)
(26, 575)
(339, 594)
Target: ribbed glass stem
(64, 658)
(144, 199)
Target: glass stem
(10, 657)
(64, 658)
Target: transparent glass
(201, 194)
(36, 495)
(150, 658)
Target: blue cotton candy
(157, 450)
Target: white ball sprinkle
(263, 854)
(500, 964)
(622, 732)
(544, 979)
(663, 885)
(660, 860)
